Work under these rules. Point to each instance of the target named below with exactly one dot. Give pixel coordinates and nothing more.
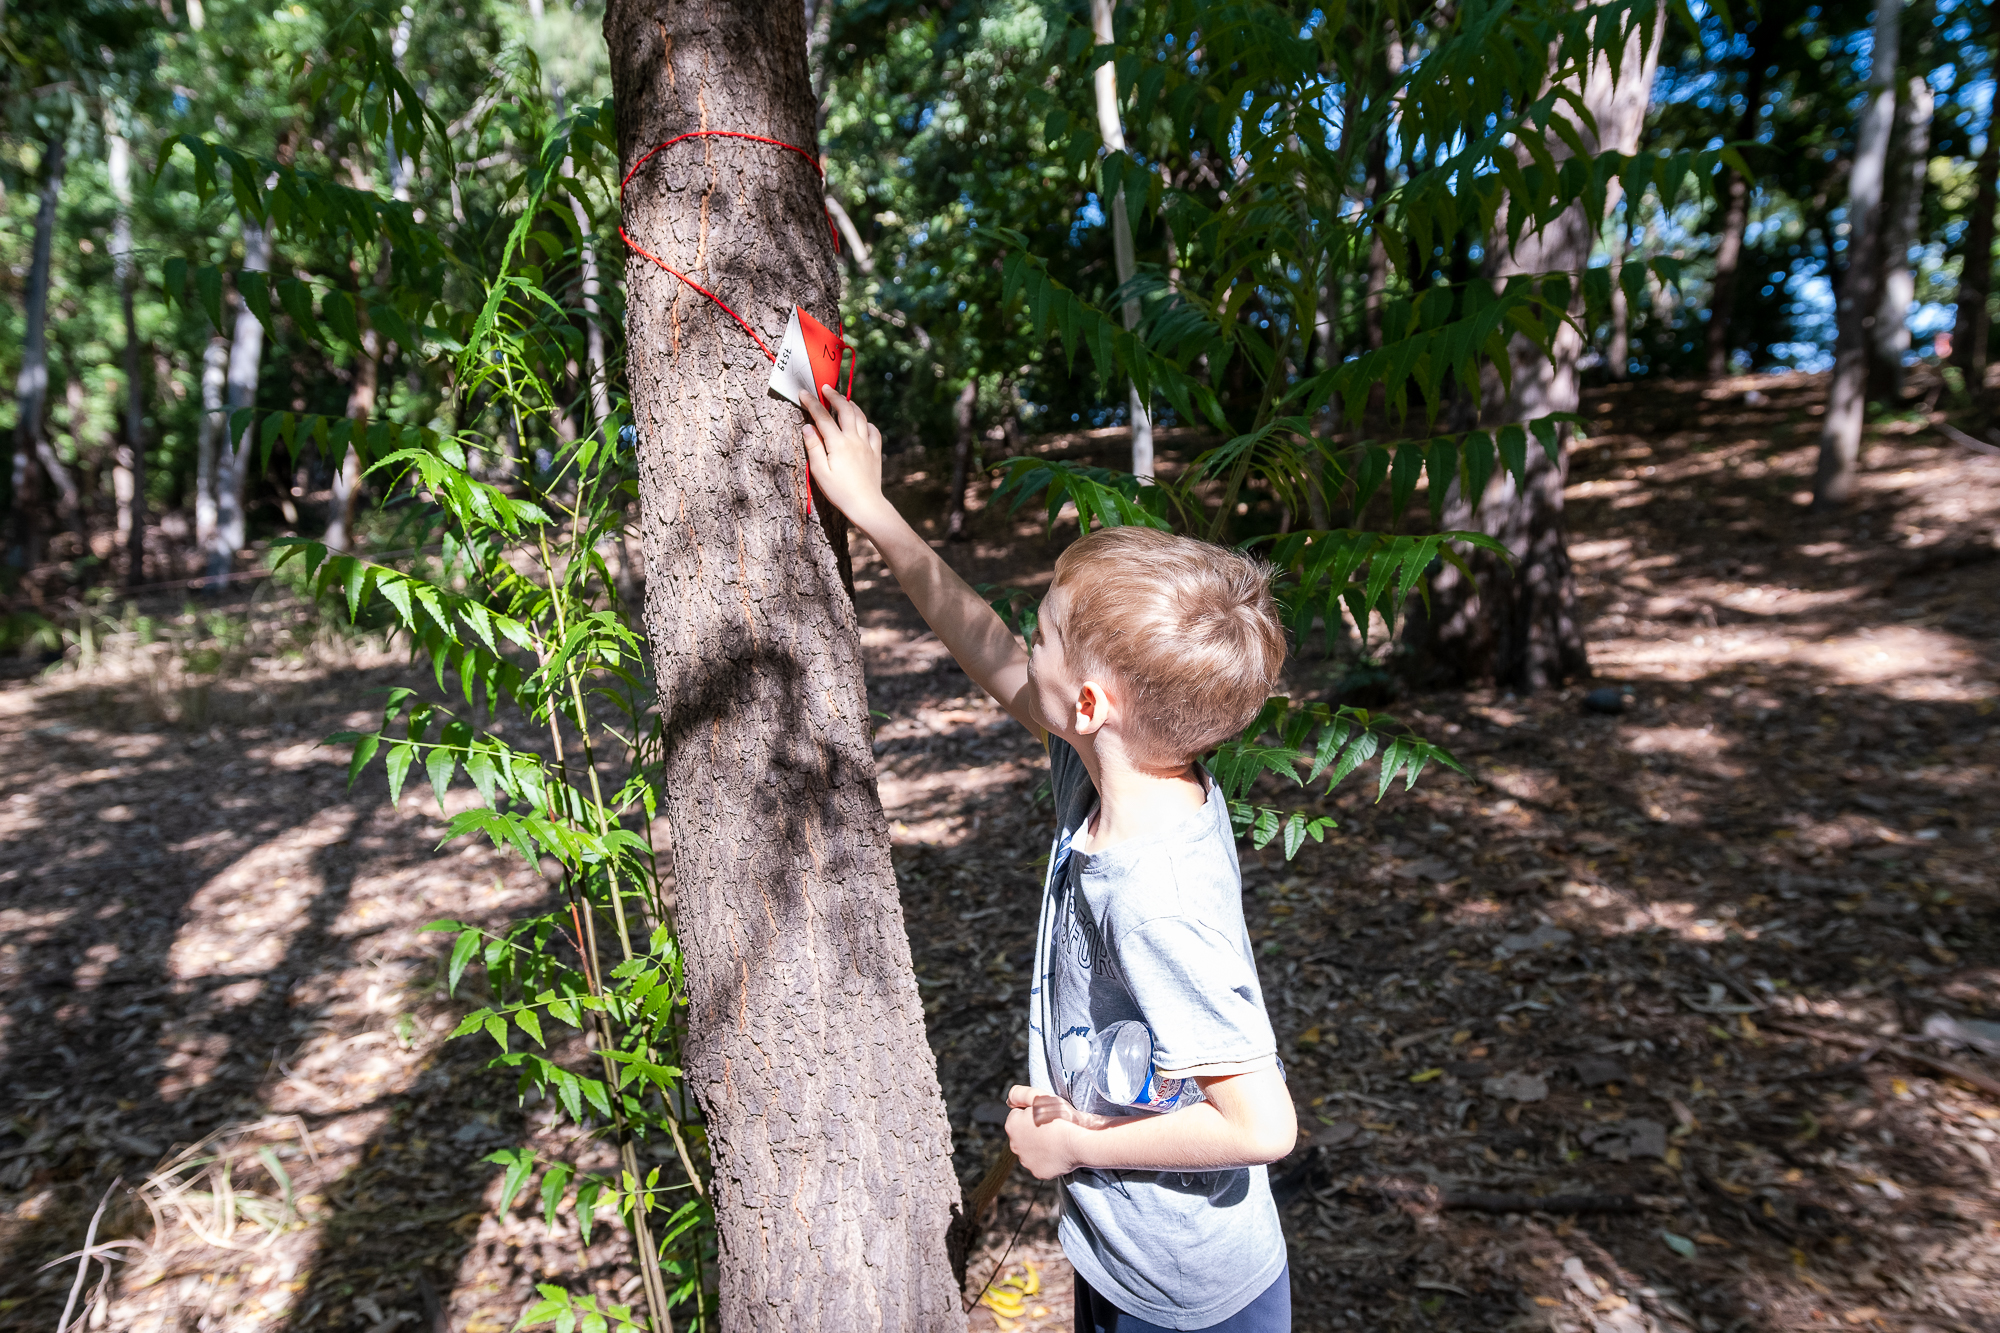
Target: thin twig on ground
(85, 1255)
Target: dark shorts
(1269, 1313)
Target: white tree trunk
(31, 387)
(1113, 130)
(131, 452)
(1904, 196)
(214, 425)
(1860, 298)
(234, 455)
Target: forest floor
(1667, 1019)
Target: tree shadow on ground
(204, 931)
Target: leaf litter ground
(1655, 1020)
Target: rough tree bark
(1860, 284)
(130, 458)
(1903, 197)
(31, 387)
(832, 1173)
(1519, 626)
(233, 452)
(1972, 331)
(1110, 125)
(1736, 205)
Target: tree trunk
(1972, 332)
(1519, 625)
(1375, 182)
(961, 459)
(69, 503)
(233, 456)
(1111, 126)
(1736, 205)
(1618, 352)
(594, 366)
(345, 500)
(1860, 283)
(833, 1186)
(1903, 196)
(208, 441)
(31, 387)
(131, 454)
(85, 446)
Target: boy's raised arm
(845, 453)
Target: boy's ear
(1093, 707)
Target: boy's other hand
(1040, 1129)
(844, 451)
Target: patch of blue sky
(1090, 216)
(1812, 311)
(1977, 99)
(1928, 319)
(1807, 358)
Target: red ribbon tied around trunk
(813, 327)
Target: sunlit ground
(1677, 963)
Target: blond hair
(1188, 629)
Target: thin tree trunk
(833, 1186)
(1736, 206)
(857, 249)
(69, 503)
(1860, 283)
(594, 364)
(961, 459)
(1519, 625)
(1375, 182)
(1909, 156)
(1971, 334)
(208, 441)
(1618, 353)
(345, 501)
(1110, 125)
(234, 456)
(131, 455)
(86, 446)
(31, 387)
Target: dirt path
(1675, 962)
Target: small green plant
(544, 712)
(26, 632)
(518, 613)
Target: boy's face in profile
(1048, 673)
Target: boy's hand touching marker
(844, 451)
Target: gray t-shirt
(1153, 929)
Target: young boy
(1150, 649)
